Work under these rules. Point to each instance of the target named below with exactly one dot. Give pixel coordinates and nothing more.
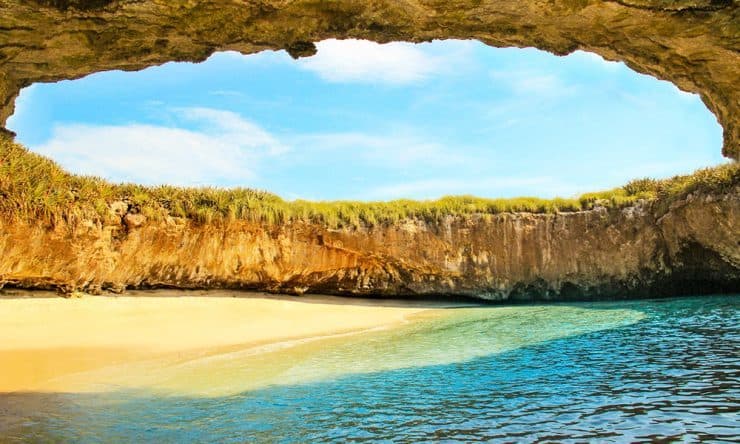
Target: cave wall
(643, 250)
(693, 43)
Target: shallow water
(584, 372)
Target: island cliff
(662, 243)
(631, 252)
(685, 241)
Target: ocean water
(660, 370)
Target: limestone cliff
(637, 251)
(693, 43)
(645, 249)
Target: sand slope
(45, 338)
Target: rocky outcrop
(644, 250)
(693, 43)
(639, 251)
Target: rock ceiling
(693, 43)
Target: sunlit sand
(45, 339)
(212, 344)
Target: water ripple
(673, 376)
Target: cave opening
(367, 121)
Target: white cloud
(231, 128)
(226, 151)
(596, 59)
(531, 82)
(369, 62)
(394, 150)
(205, 146)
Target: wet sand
(47, 339)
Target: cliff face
(638, 251)
(643, 250)
(693, 43)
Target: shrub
(33, 187)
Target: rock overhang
(694, 44)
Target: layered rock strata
(644, 250)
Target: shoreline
(49, 339)
(401, 300)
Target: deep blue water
(672, 373)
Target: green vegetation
(33, 187)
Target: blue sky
(366, 121)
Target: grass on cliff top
(33, 187)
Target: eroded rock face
(693, 43)
(640, 251)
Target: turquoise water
(628, 371)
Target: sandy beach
(45, 339)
